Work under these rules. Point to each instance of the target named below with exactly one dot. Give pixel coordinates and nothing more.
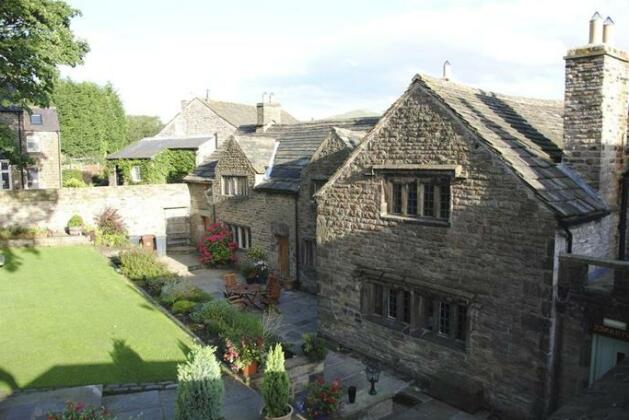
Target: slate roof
(297, 144)
(527, 134)
(151, 146)
(50, 118)
(351, 138)
(241, 114)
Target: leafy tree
(35, 38)
(91, 117)
(140, 126)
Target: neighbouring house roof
(150, 146)
(297, 144)
(527, 134)
(355, 113)
(49, 118)
(241, 114)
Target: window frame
(241, 235)
(38, 122)
(31, 138)
(30, 183)
(424, 192)
(418, 313)
(308, 253)
(135, 173)
(235, 185)
(7, 171)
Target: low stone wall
(48, 241)
(142, 207)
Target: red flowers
(322, 398)
(217, 247)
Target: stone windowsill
(428, 221)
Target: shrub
(314, 347)
(183, 306)
(275, 384)
(140, 264)
(182, 289)
(75, 221)
(74, 183)
(110, 239)
(255, 254)
(228, 322)
(110, 222)
(21, 232)
(322, 399)
(79, 411)
(217, 247)
(200, 390)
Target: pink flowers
(217, 247)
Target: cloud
(334, 56)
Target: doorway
(283, 266)
(607, 352)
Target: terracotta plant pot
(250, 369)
(287, 416)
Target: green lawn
(67, 318)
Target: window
(32, 143)
(5, 175)
(308, 247)
(316, 185)
(235, 185)
(36, 119)
(136, 174)
(32, 177)
(414, 313)
(419, 198)
(241, 235)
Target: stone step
(411, 396)
(36, 405)
(180, 249)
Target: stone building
(201, 125)
(261, 183)
(439, 239)
(38, 136)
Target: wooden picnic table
(250, 293)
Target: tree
(91, 117)
(140, 126)
(35, 38)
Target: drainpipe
(622, 223)
(59, 159)
(297, 279)
(566, 230)
(20, 133)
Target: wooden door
(282, 258)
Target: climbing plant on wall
(10, 149)
(168, 167)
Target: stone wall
(490, 255)
(197, 119)
(142, 207)
(47, 160)
(329, 157)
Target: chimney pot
(447, 70)
(596, 31)
(608, 31)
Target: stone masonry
(490, 256)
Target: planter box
(300, 370)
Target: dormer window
(36, 119)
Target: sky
(326, 57)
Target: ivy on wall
(10, 148)
(168, 167)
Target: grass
(67, 318)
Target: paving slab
(123, 403)
(35, 405)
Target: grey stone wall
(197, 119)
(329, 157)
(497, 251)
(142, 207)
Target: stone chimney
(269, 112)
(595, 111)
(447, 70)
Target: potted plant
(276, 387)
(262, 271)
(322, 399)
(313, 347)
(75, 225)
(250, 355)
(248, 271)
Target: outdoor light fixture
(373, 375)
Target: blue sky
(325, 57)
